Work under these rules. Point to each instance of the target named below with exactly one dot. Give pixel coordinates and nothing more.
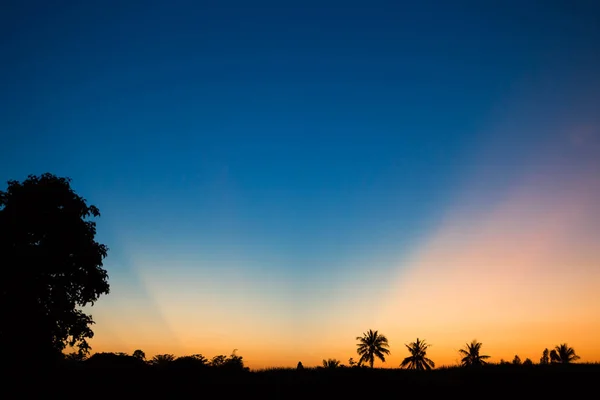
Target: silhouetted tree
(331, 363)
(527, 362)
(351, 362)
(193, 361)
(299, 366)
(417, 359)
(139, 354)
(545, 359)
(372, 345)
(516, 360)
(472, 358)
(218, 361)
(162, 360)
(52, 266)
(234, 362)
(563, 354)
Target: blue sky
(305, 140)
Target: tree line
(372, 345)
(53, 266)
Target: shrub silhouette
(140, 355)
(162, 360)
(193, 361)
(331, 363)
(113, 360)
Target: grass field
(492, 381)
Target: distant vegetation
(52, 268)
(233, 362)
(416, 360)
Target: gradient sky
(279, 177)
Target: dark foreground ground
(535, 382)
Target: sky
(280, 177)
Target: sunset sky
(280, 177)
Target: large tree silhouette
(471, 356)
(563, 354)
(372, 345)
(52, 266)
(417, 359)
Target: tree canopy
(563, 354)
(418, 356)
(471, 356)
(51, 268)
(371, 345)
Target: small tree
(516, 360)
(234, 362)
(545, 359)
(140, 355)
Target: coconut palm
(417, 359)
(472, 358)
(563, 354)
(372, 345)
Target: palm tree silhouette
(372, 345)
(417, 359)
(563, 354)
(472, 358)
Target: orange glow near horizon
(519, 275)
